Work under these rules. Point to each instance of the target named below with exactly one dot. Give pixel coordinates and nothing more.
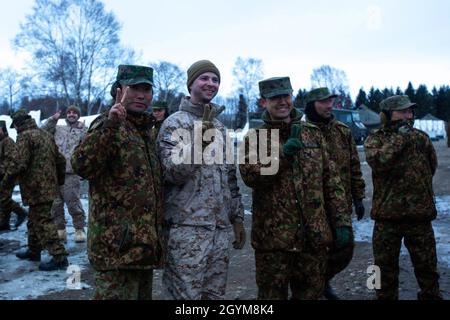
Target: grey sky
(378, 42)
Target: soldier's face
(72, 116)
(323, 107)
(204, 88)
(159, 114)
(404, 115)
(139, 97)
(279, 107)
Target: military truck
(349, 117)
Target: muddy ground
(349, 284)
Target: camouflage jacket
(41, 167)
(291, 209)
(125, 208)
(342, 151)
(402, 171)
(196, 194)
(8, 160)
(66, 137)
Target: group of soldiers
(148, 211)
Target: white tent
(433, 126)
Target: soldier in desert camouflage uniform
(290, 229)
(67, 137)
(403, 162)
(202, 201)
(342, 151)
(40, 170)
(119, 159)
(8, 161)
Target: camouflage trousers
(42, 233)
(339, 259)
(123, 285)
(8, 205)
(420, 242)
(303, 272)
(197, 263)
(69, 194)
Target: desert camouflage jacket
(66, 137)
(403, 166)
(293, 208)
(196, 194)
(125, 212)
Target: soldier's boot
(80, 236)
(54, 264)
(329, 293)
(22, 214)
(62, 235)
(28, 255)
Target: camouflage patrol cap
(276, 86)
(132, 74)
(319, 94)
(18, 117)
(158, 105)
(397, 103)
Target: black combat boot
(21, 216)
(329, 293)
(28, 255)
(54, 264)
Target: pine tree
(299, 101)
(361, 98)
(424, 101)
(411, 92)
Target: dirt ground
(349, 284)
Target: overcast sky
(379, 42)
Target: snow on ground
(21, 280)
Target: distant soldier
(40, 171)
(403, 162)
(8, 163)
(290, 229)
(119, 159)
(342, 151)
(67, 137)
(202, 201)
(160, 111)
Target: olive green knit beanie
(199, 68)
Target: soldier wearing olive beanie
(199, 68)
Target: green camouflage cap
(319, 94)
(132, 74)
(157, 105)
(276, 86)
(396, 103)
(18, 117)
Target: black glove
(359, 208)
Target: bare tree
(334, 79)
(75, 44)
(169, 80)
(247, 73)
(12, 85)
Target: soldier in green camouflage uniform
(342, 151)
(290, 229)
(119, 159)
(40, 170)
(403, 162)
(8, 160)
(160, 112)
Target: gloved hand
(359, 208)
(239, 235)
(405, 127)
(343, 237)
(293, 144)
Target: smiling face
(72, 116)
(279, 107)
(139, 97)
(324, 107)
(204, 88)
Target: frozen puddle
(20, 280)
